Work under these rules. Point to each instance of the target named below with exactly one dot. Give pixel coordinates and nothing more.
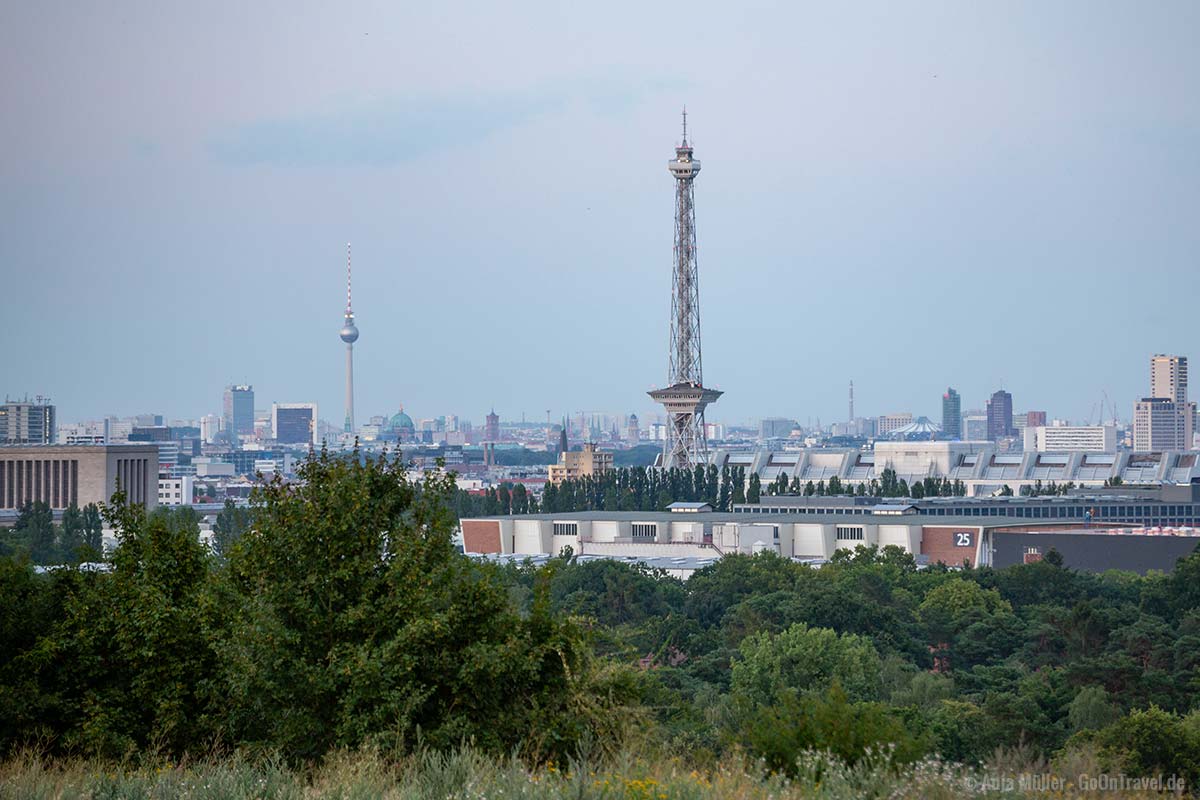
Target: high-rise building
(775, 427)
(632, 433)
(999, 416)
(210, 428)
(1169, 377)
(975, 427)
(27, 422)
(685, 397)
(294, 423)
(887, 423)
(1035, 419)
(951, 415)
(491, 429)
(238, 411)
(349, 335)
(1161, 424)
(1165, 420)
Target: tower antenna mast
(685, 397)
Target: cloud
(380, 133)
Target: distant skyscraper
(26, 422)
(239, 411)
(491, 431)
(349, 335)
(999, 416)
(685, 397)
(1035, 419)
(951, 415)
(294, 423)
(851, 417)
(1169, 377)
(210, 427)
(1165, 420)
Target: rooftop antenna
(685, 126)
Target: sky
(908, 196)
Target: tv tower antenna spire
(349, 310)
(685, 397)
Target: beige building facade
(65, 475)
(579, 463)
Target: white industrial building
(1071, 439)
(982, 468)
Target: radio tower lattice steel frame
(685, 397)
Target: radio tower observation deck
(685, 398)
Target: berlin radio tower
(685, 397)
(349, 334)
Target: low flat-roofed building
(697, 537)
(64, 475)
(982, 468)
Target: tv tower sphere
(349, 332)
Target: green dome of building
(401, 422)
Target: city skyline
(871, 194)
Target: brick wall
(481, 535)
(943, 543)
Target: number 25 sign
(963, 539)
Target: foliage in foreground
(344, 617)
(338, 616)
(470, 775)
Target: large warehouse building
(693, 531)
(979, 465)
(64, 475)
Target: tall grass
(469, 775)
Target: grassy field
(470, 776)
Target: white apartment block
(1071, 439)
(890, 422)
(175, 491)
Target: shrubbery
(338, 615)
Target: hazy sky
(906, 195)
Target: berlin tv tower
(349, 334)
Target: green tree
(232, 523)
(806, 659)
(1152, 742)
(130, 663)
(72, 532)
(754, 493)
(354, 620)
(35, 523)
(953, 604)
(93, 529)
(781, 732)
(520, 499)
(1091, 709)
(738, 481)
